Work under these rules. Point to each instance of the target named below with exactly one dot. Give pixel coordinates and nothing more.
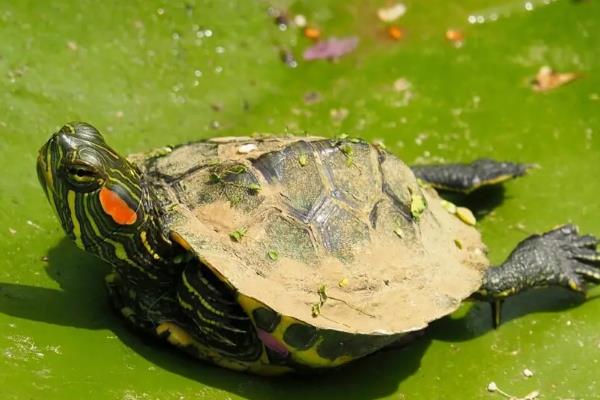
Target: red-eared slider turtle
(288, 253)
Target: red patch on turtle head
(116, 207)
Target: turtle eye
(83, 175)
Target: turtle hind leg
(467, 177)
(560, 257)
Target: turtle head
(96, 193)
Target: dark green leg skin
(465, 178)
(560, 257)
(143, 310)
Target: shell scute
(295, 170)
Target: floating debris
(492, 387)
(280, 18)
(395, 32)
(339, 114)
(401, 84)
(288, 58)
(458, 244)
(312, 33)
(548, 79)
(392, 13)
(343, 283)
(72, 45)
(312, 97)
(455, 36)
(331, 49)
(34, 225)
(527, 373)
(300, 21)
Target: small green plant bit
(238, 169)
(418, 205)
(273, 255)
(316, 308)
(303, 160)
(238, 234)
(255, 187)
(348, 152)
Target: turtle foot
(468, 177)
(560, 257)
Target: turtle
(275, 254)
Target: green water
(150, 73)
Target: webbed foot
(560, 257)
(465, 178)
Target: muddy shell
(333, 235)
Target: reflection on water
(494, 13)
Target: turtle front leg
(123, 301)
(153, 311)
(465, 178)
(560, 257)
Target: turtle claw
(496, 306)
(587, 241)
(578, 260)
(590, 273)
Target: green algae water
(153, 73)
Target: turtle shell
(336, 235)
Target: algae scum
(438, 81)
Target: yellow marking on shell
(191, 289)
(176, 237)
(76, 226)
(312, 358)
(308, 357)
(143, 236)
